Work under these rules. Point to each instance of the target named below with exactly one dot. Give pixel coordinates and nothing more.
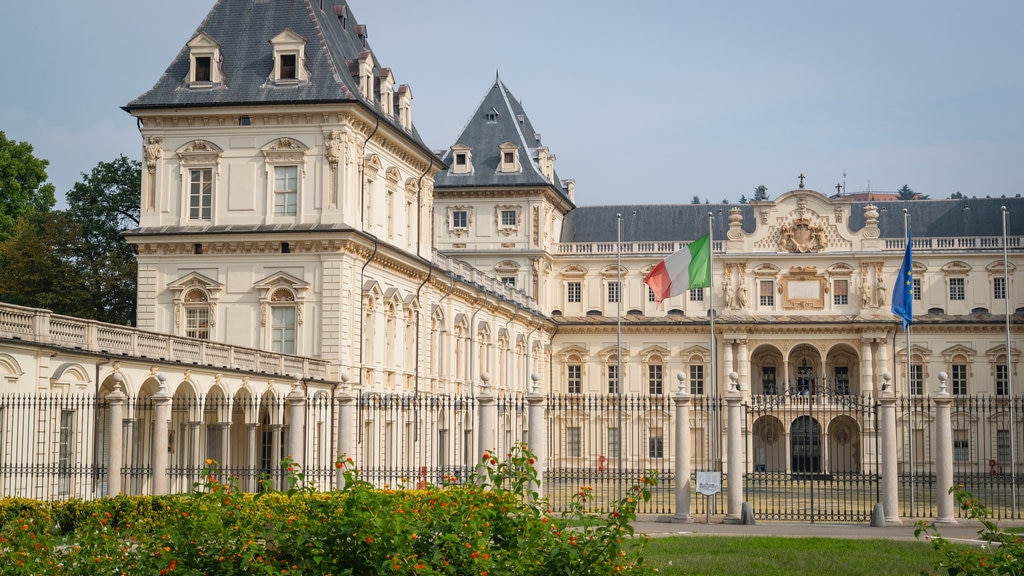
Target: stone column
(488, 416)
(867, 373)
(276, 479)
(883, 356)
(251, 459)
(944, 455)
(115, 455)
(347, 447)
(734, 407)
(890, 478)
(744, 367)
(727, 356)
(537, 441)
(161, 415)
(682, 451)
(297, 425)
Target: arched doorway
(805, 446)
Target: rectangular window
(574, 292)
(508, 217)
(697, 295)
(1003, 446)
(958, 379)
(1002, 380)
(460, 159)
(65, 451)
(916, 288)
(766, 293)
(509, 281)
(574, 378)
(916, 379)
(203, 69)
(650, 294)
(841, 292)
(961, 446)
(282, 337)
(286, 190)
(572, 441)
(656, 442)
(613, 292)
(841, 375)
(197, 322)
(288, 67)
(614, 442)
(697, 379)
(956, 288)
(654, 379)
(509, 158)
(999, 288)
(200, 198)
(613, 379)
(768, 383)
(459, 219)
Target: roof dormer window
(509, 158)
(462, 156)
(492, 116)
(289, 58)
(204, 62)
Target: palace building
(289, 205)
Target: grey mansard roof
(683, 222)
(484, 136)
(244, 28)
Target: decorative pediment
(840, 269)
(392, 175)
(996, 267)
(695, 354)
(281, 280)
(507, 267)
(766, 270)
(576, 350)
(949, 354)
(199, 153)
(195, 280)
(614, 272)
(956, 267)
(10, 370)
(574, 271)
(284, 150)
(372, 163)
(655, 350)
(70, 376)
(996, 352)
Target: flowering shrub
(1002, 552)
(491, 523)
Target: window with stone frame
(614, 386)
(766, 293)
(696, 295)
(840, 291)
(916, 379)
(956, 289)
(655, 381)
(614, 442)
(574, 292)
(958, 379)
(286, 190)
(656, 442)
(460, 219)
(282, 329)
(573, 441)
(574, 378)
(915, 289)
(961, 445)
(613, 291)
(1002, 379)
(197, 314)
(651, 296)
(200, 197)
(697, 379)
(998, 288)
(508, 218)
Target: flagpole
(714, 358)
(1009, 365)
(618, 345)
(910, 391)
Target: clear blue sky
(645, 101)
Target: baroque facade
(290, 206)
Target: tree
(104, 204)
(906, 193)
(42, 268)
(956, 195)
(760, 193)
(696, 199)
(23, 191)
(743, 199)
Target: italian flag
(684, 270)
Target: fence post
(682, 452)
(161, 414)
(538, 437)
(346, 419)
(488, 415)
(115, 458)
(944, 455)
(297, 422)
(890, 477)
(733, 400)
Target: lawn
(768, 556)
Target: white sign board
(709, 483)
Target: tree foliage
(77, 262)
(907, 193)
(760, 193)
(24, 192)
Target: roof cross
(802, 179)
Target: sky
(648, 101)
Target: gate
(814, 456)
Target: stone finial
(734, 382)
(886, 382)
(536, 379)
(485, 380)
(681, 377)
(942, 383)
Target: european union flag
(902, 290)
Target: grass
(768, 556)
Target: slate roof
(484, 136)
(243, 28)
(684, 222)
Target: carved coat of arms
(802, 236)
